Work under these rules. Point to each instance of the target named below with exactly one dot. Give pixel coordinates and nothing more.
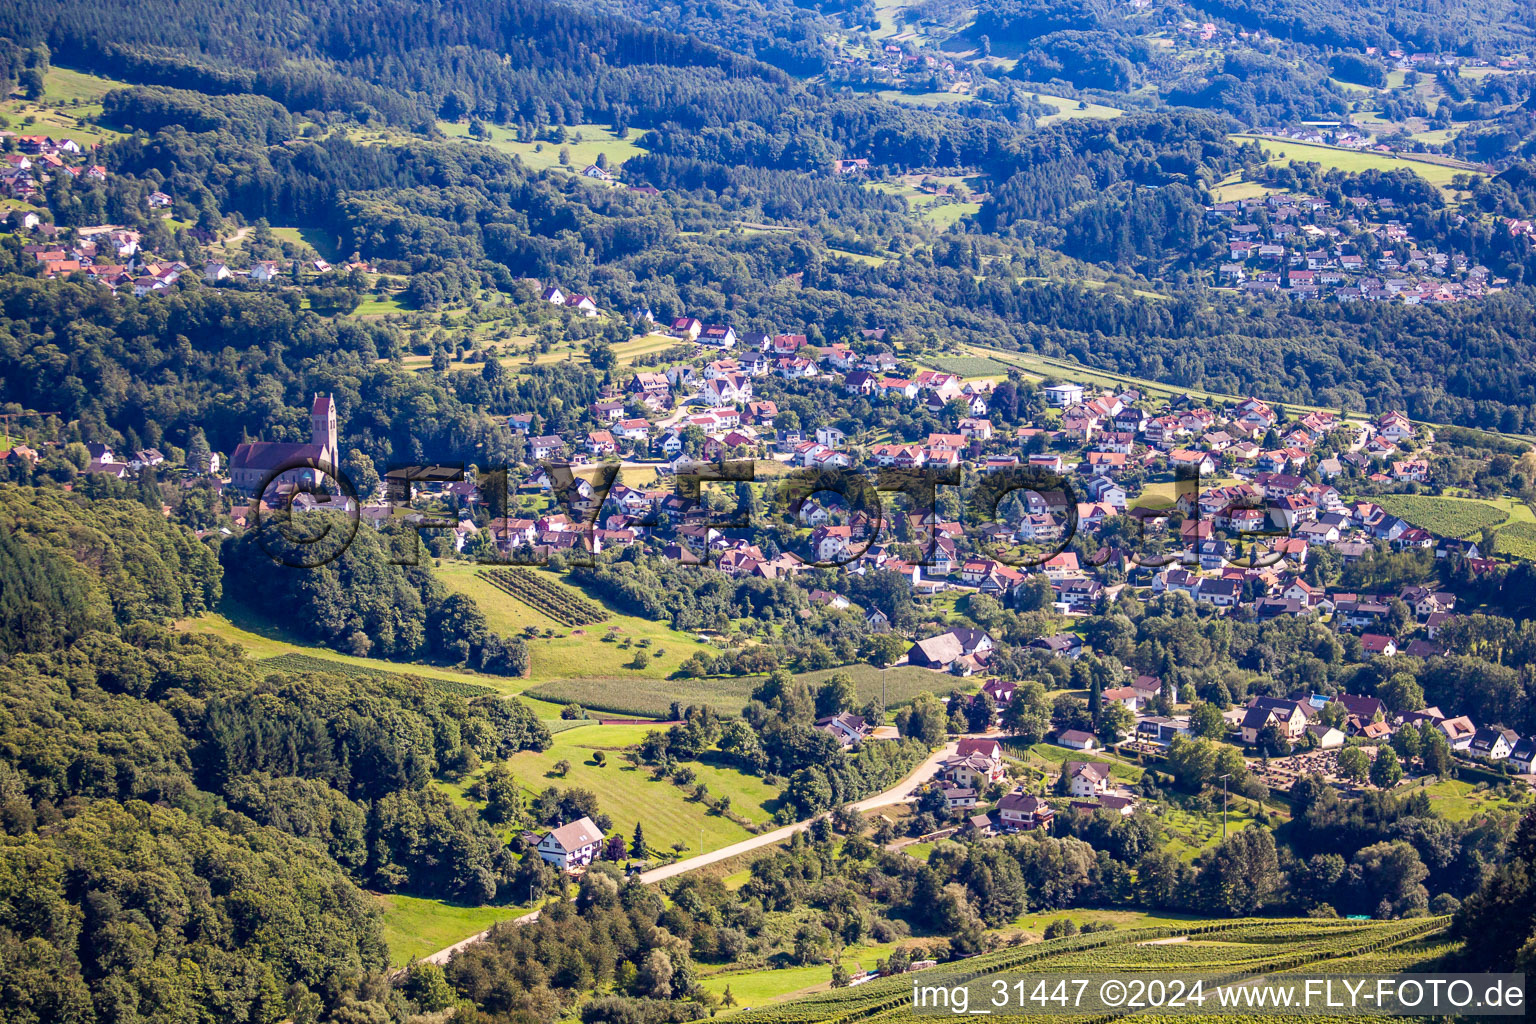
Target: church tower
(322, 429)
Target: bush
(1063, 928)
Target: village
(1299, 247)
(1237, 502)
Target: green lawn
(1035, 923)
(546, 155)
(945, 214)
(1056, 756)
(1283, 151)
(860, 257)
(379, 305)
(901, 683)
(414, 928)
(1066, 108)
(1455, 800)
(322, 243)
(767, 985)
(629, 794)
(1233, 188)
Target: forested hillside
(187, 834)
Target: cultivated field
(653, 698)
(1238, 948)
(1517, 540)
(1446, 517)
(564, 652)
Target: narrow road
(898, 793)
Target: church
(254, 460)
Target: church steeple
(322, 428)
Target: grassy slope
(1067, 108)
(629, 794)
(767, 985)
(579, 652)
(262, 640)
(414, 927)
(69, 107)
(1283, 151)
(546, 155)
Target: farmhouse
(572, 846)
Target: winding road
(899, 793)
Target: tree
(1061, 928)
(1027, 715)
(360, 470)
(836, 695)
(1435, 752)
(503, 796)
(599, 758)
(1407, 743)
(655, 979)
(198, 452)
(883, 649)
(1386, 771)
(1205, 720)
(1497, 922)
(1273, 741)
(980, 712)
(1241, 875)
(637, 843)
(426, 987)
(925, 720)
(1115, 722)
(840, 976)
(562, 767)
(1401, 693)
(1353, 764)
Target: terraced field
(1233, 949)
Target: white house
(1087, 778)
(571, 846)
(1063, 395)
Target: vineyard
(1231, 949)
(652, 698)
(545, 596)
(647, 698)
(1517, 540)
(1444, 517)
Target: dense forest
(183, 829)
